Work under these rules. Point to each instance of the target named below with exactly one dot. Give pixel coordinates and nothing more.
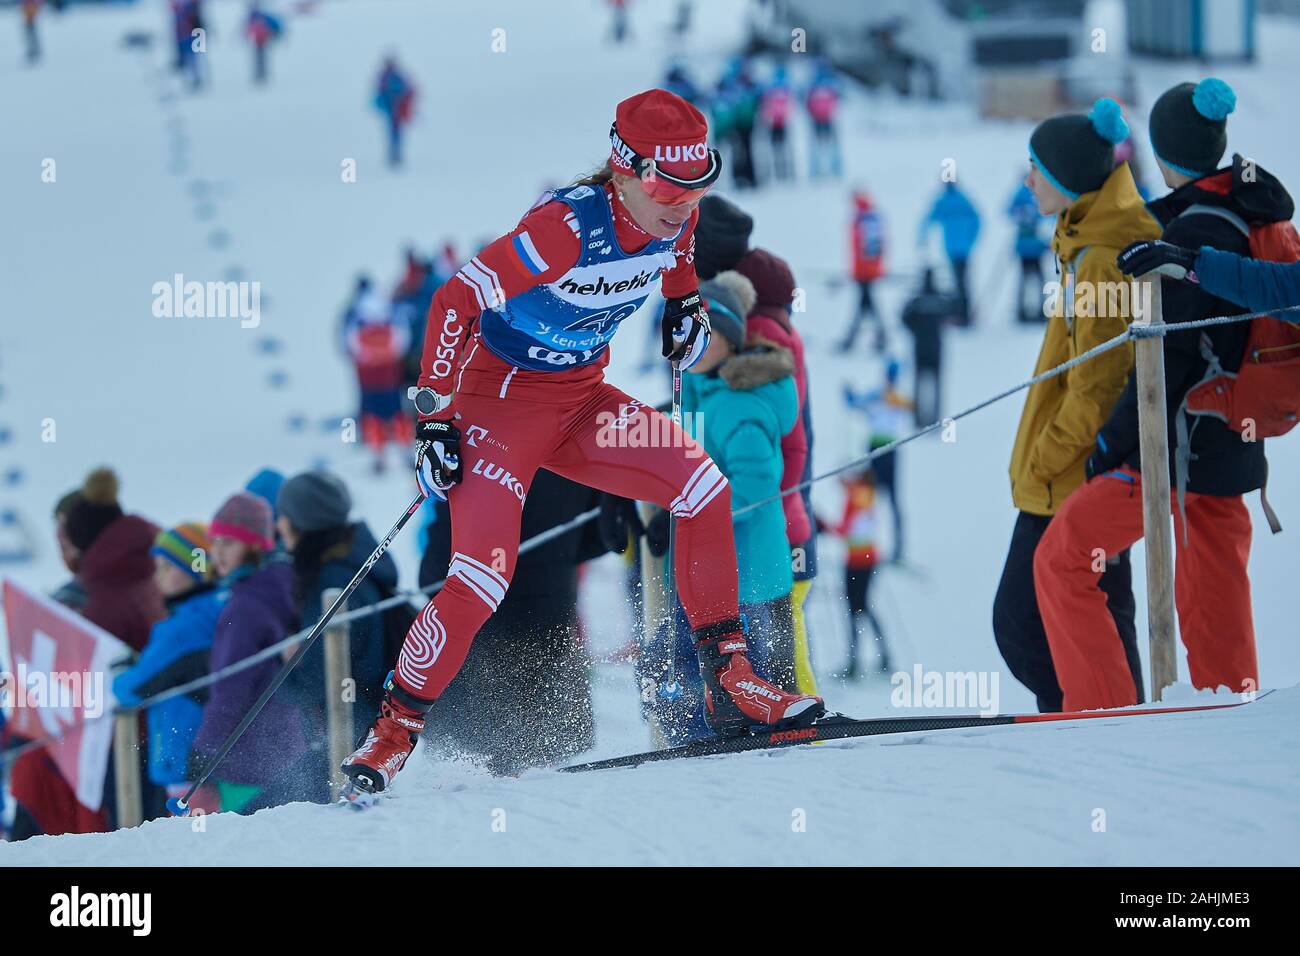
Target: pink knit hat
(247, 518)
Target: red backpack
(1265, 389)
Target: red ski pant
(581, 427)
(1211, 590)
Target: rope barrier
(1134, 331)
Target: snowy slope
(1184, 790)
(241, 181)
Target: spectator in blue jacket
(959, 222)
(1254, 283)
(177, 652)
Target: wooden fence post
(126, 769)
(338, 706)
(1153, 438)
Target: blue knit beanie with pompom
(1076, 151)
(1189, 125)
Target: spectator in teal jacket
(738, 401)
(742, 399)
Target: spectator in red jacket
(108, 551)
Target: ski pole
(670, 652)
(180, 807)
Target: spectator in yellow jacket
(1073, 175)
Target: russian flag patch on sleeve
(528, 254)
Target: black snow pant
(928, 398)
(1018, 626)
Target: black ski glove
(618, 523)
(437, 456)
(685, 330)
(656, 534)
(1152, 255)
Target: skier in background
(857, 526)
(377, 346)
(958, 220)
(395, 99)
(775, 107)
(822, 101)
(925, 315)
(887, 410)
(1030, 248)
(867, 248)
(514, 380)
(31, 9)
(261, 28)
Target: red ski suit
(572, 422)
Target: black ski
(839, 727)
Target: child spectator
(738, 401)
(259, 611)
(858, 529)
(177, 652)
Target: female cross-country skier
(512, 380)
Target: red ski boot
(388, 742)
(735, 698)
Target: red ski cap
(661, 126)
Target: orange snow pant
(1211, 590)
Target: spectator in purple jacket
(265, 767)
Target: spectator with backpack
(378, 346)
(867, 249)
(261, 28)
(1240, 209)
